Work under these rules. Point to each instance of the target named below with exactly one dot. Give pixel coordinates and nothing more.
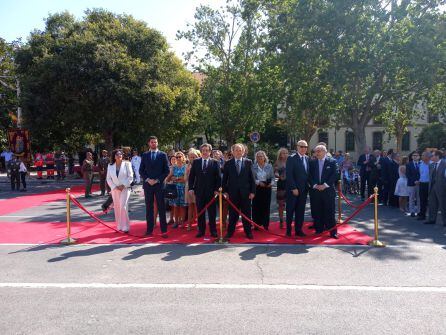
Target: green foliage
(8, 93)
(346, 61)
(107, 75)
(432, 136)
(228, 49)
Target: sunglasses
(302, 146)
(179, 157)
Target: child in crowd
(401, 189)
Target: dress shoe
(311, 227)
(300, 233)
(149, 234)
(215, 235)
(199, 235)
(429, 222)
(334, 235)
(164, 235)
(249, 236)
(228, 236)
(412, 215)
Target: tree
(432, 136)
(228, 49)
(356, 51)
(107, 75)
(8, 87)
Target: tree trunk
(108, 138)
(399, 141)
(360, 138)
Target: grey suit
(437, 191)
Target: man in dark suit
(437, 188)
(413, 180)
(375, 171)
(297, 172)
(153, 170)
(323, 176)
(204, 182)
(386, 163)
(364, 170)
(239, 184)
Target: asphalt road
(236, 289)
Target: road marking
(416, 289)
(18, 216)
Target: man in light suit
(297, 173)
(153, 170)
(323, 176)
(437, 188)
(204, 182)
(239, 184)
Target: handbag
(170, 191)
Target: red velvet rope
(361, 207)
(94, 216)
(348, 201)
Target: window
(431, 117)
(323, 137)
(405, 143)
(349, 141)
(377, 140)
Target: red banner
(19, 142)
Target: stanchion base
(68, 241)
(377, 244)
(221, 240)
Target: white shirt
(202, 163)
(304, 160)
(22, 167)
(136, 161)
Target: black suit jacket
(204, 182)
(330, 173)
(234, 183)
(154, 169)
(296, 175)
(365, 166)
(412, 173)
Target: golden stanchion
(69, 239)
(375, 242)
(339, 203)
(220, 240)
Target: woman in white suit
(119, 178)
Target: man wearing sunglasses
(204, 182)
(297, 173)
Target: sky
(19, 17)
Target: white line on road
(18, 216)
(416, 289)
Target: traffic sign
(254, 136)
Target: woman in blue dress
(177, 176)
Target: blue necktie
(238, 167)
(153, 155)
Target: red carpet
(26, 201)
(91, 233)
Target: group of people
(416, 184)
(51, 162)
(247, 184)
